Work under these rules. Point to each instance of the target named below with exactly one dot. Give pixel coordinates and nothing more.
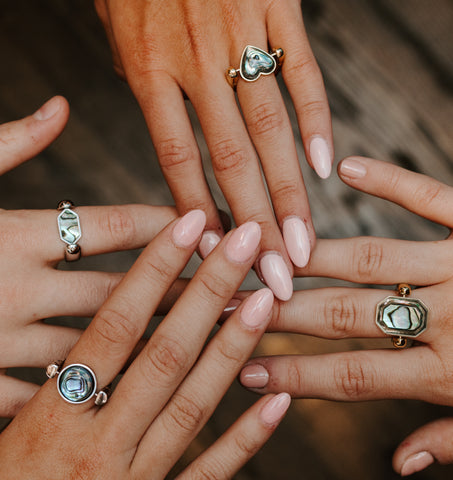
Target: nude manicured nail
(320, 157)
(352, 168)
(243, 242)
(416, 463)
(254, 376)
(48, 110)
(296, 239)
(189, 228)
(275, 408)
(257, 308)
(208, 242)
(276, 275)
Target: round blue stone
(76, 383)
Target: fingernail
(296, 239)
(189, 228)
(232, 306)
(257, 308)
(243, 242)
(352, 168)
(275, 408)
(320, 157)
(276, 275)
(416, 463)
(48, 110)
(254, 376)
(209, 241)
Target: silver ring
(69, 230)
(77, 383)
(254, 63)
(401, 317)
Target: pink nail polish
(209, 241)
(257, 308)
(296, 239)
(189, 228)
(320, 157)
(416, 463)
(352, 168)
(243, 242)
(48, 110)
(254, 376)
(232, 306)
(276, 275)
(275, 408)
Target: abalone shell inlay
(69, 226)
(401, 316)
(256, 62)
(76, 383)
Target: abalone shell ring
(401, 317)
(254, 63)
(69, 230)
(76, 383)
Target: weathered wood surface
(388, 68)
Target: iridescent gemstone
(69, 226)
(76, 383)
(256, 62)
(401, 316)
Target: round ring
(76, 383)
(254, 63)
(69, 230)
(401, 317)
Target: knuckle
(185, 413)
(174, 153)
(314, 107)
(228, 157)
(294, 378)
(245, 444)
(115, 328)
(285, 189)
(352, 379)
(166, 356)
(428, 194)
(302, 66)
(265, 118)
(208, 470)
(120, 226)
(214, 288)
(340, 315)
(157, 269)
(368, 258)
(229, 352)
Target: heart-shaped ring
(254, 63)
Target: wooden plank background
(388, 68)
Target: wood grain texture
(388, 68)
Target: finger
(112, 335)
(23, 139)
(14, 394)
(336, 313)
(38, 346)
(380, 261)
(305, 84)
(428, 444)
(177, 342)
(237, 171)
(415, 192)
(241, 441)
(207, 383)
(347, 376)
(103, 229)
(271, 132)
(178, 153)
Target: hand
(172, 387)
(168, 49)
(30, 248)
(423, 372)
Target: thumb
(430, 443)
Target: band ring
(77, 383)
(254, 63)
(401, 317)
(69, 230)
